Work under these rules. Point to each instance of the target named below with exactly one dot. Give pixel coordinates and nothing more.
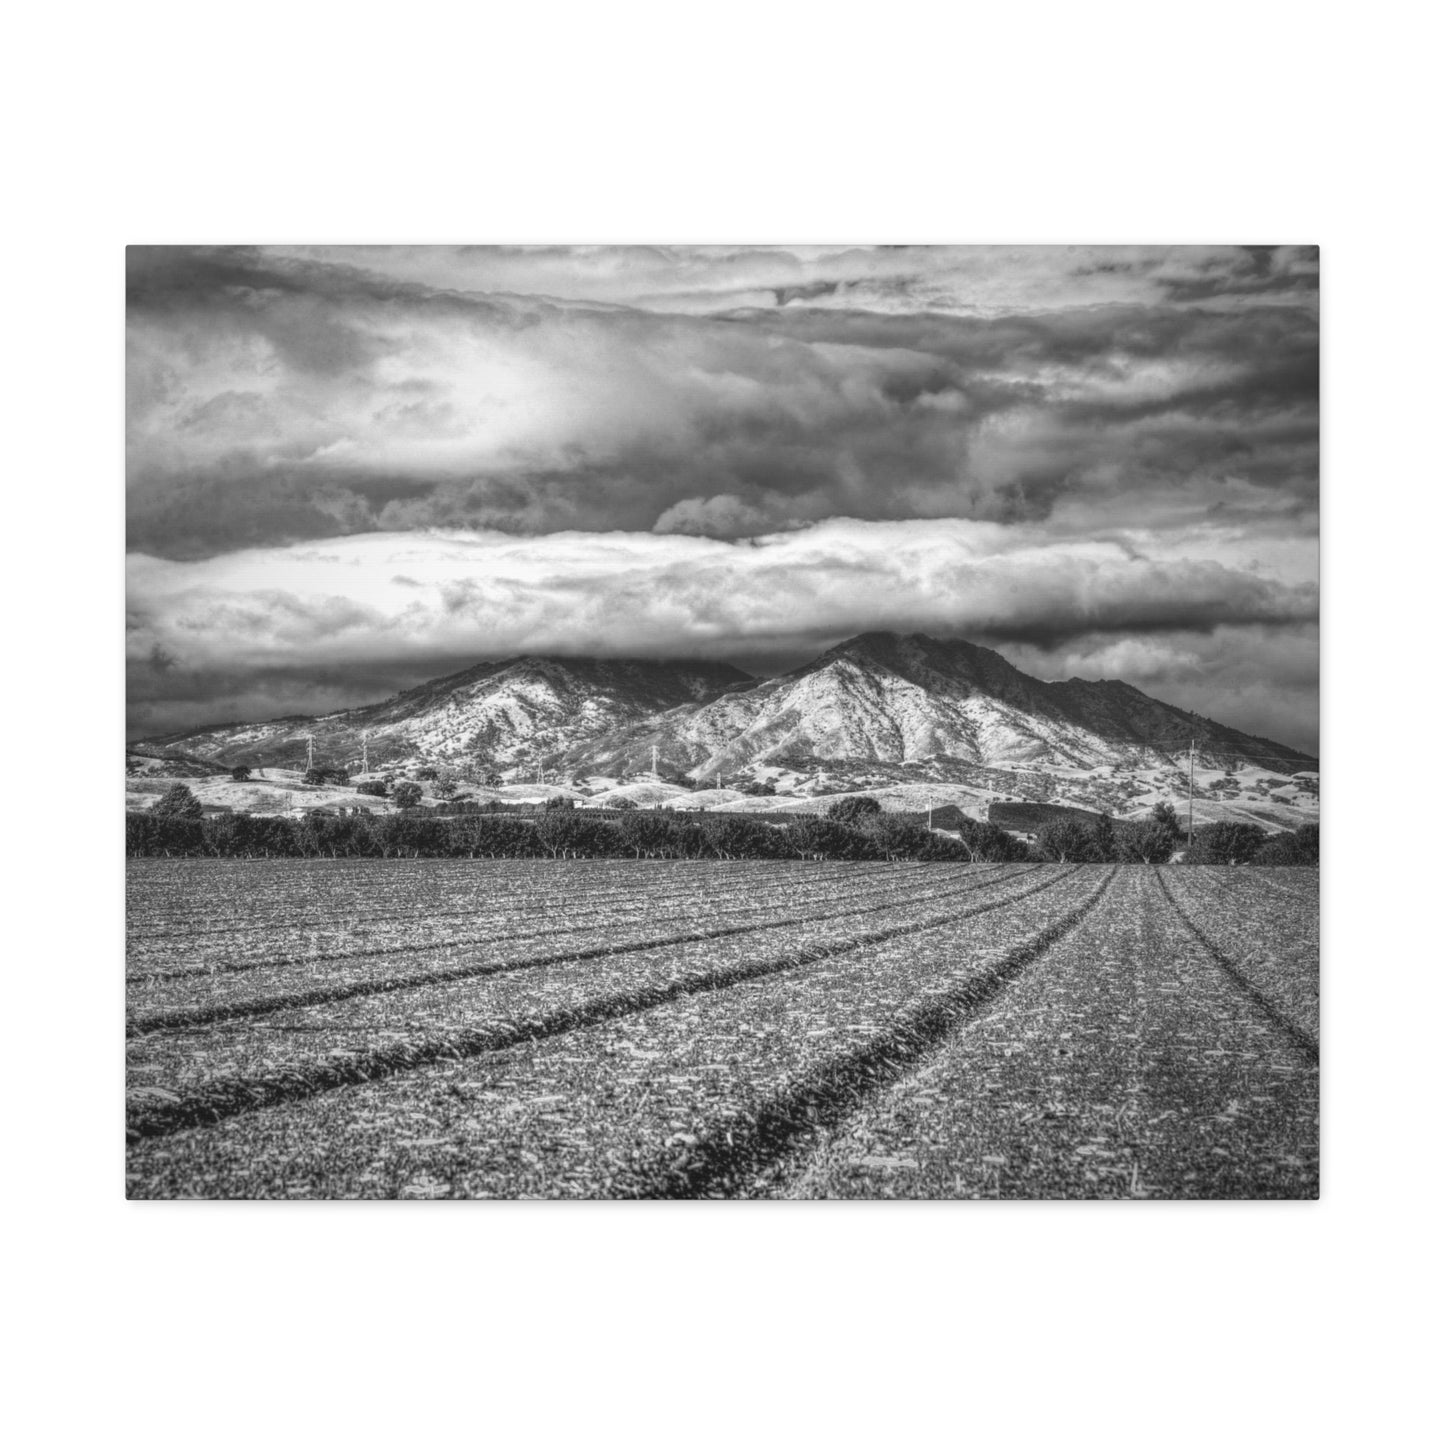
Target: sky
(350, 469)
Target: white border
(164, 122)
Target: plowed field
(603, 1029)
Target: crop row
(492, 915)
(644, 1090)
(477, 1015)
(326, 977)
(1125, 1065)
(219, 898)
(1269, 948)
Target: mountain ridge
(877, 697)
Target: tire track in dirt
(150, 1116)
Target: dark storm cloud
(326, 625)
(277, 398)
(1263, 678)
(350, 469)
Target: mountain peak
(878, 696)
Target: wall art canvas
(774, 722)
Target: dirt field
(608, 1029)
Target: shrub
(373, 789)
(406, 795)
(426, 773)
(240, 774)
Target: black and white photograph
(777, 668)
(831, 722)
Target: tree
(728, 835)
(854, 810)
(814, 837)
(445, 788)
(1226, 843)
(564, 831)
(1165, 817)
(373, 789)
(647, 834)
(553, 805)
(1300, 849)
(1144, 841)
(406, 795)
(1064, 840)
(895, 837)
(493, 835)
(988, 843)
(426, 773)
(178, 801)
(240, 774)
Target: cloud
(350, 619)
(1262, 679)
(287, 395)
(353, 468)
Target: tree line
(853, 829)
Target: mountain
(885, 698)
(879, 698)
(509, 713)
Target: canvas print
(797, 722)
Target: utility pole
(310, 752)
(365, 766)
(654, 762)
(1191, 792)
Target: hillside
(890, 699)
(511, 714)
(894, 716)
